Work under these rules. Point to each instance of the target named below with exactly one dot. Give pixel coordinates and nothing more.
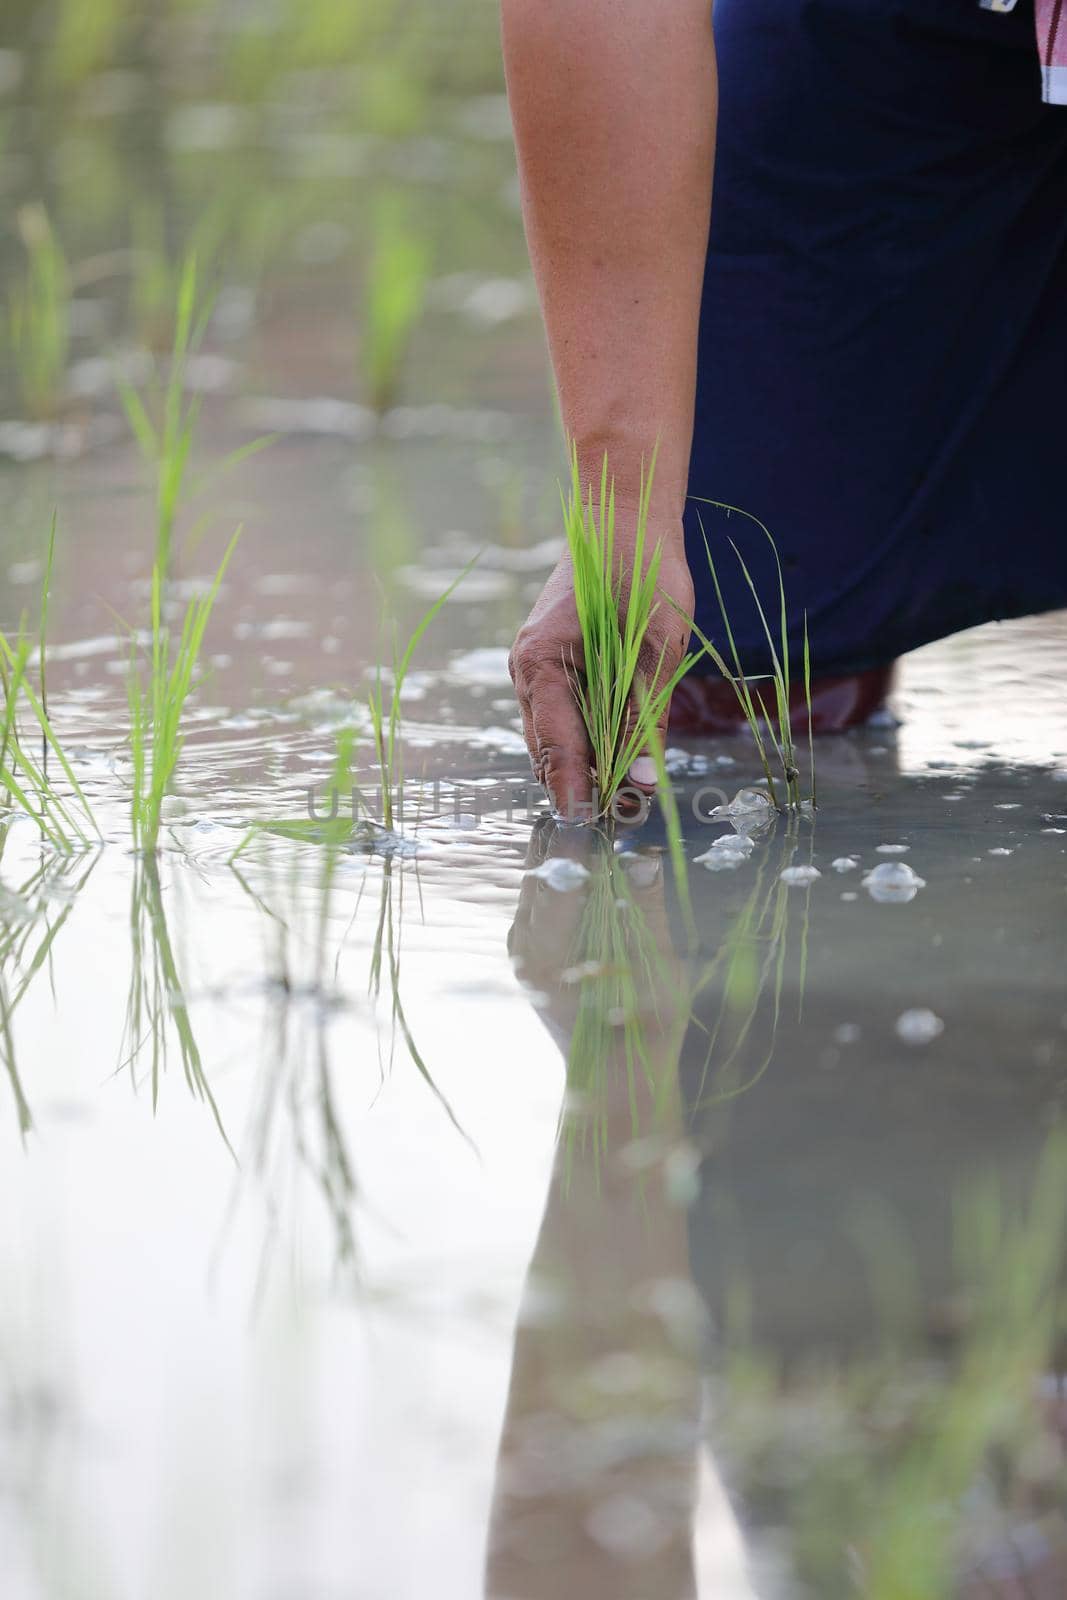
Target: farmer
(870, 354)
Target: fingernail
(643, 772)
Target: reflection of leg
(596, 1473)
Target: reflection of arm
(604, 1367)
(597, 1366)
(613, 103)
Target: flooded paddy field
(478, 1208)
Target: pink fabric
(1052, 45)
(1051, 19)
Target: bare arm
(613, 103)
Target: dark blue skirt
(883, 343)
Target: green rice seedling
(66, 823)
(165, 442)
(384, 707)
(621, 711)
(675, 840)
(164, 420)
(384, 719)
(156, 277)
(778, 726)
(38, 316)
(157, 703)
(394, 295)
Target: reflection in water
(29, 926)
(911, 1448)
(156, 1009)
(597, 1470)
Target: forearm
(613, 104)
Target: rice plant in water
(157, 701)
(166, 440)
(66, 822)
(621, 707)
(774, 720)
(384, 706)
(394, 295)
(164, 419)
(38, 316)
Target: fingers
(554, 731)
(656, 663)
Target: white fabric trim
(1054, 85)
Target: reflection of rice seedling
(156, 707)
(38, 316)
(156, 1001)
(621, 706)
(394, 295)
(749, 693)
(632, 1010)
(385, 946)
(27, 936)
(922, 1467)
(749, 968)
(23, 777)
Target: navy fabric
(883, 343)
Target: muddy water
(384, 1226)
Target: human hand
(548, 648)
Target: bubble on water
(892, 849)
(893, 882)
(642, 870)
(747, 803)
(845, 863)
(681, 1175)
(847, 1033)
(850, 894)
(14, 907)
(919, 1026)
(1007, 805)
(1001, 850)
(560, 873)
(726, 853)
(799, 875)
(583, 970)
